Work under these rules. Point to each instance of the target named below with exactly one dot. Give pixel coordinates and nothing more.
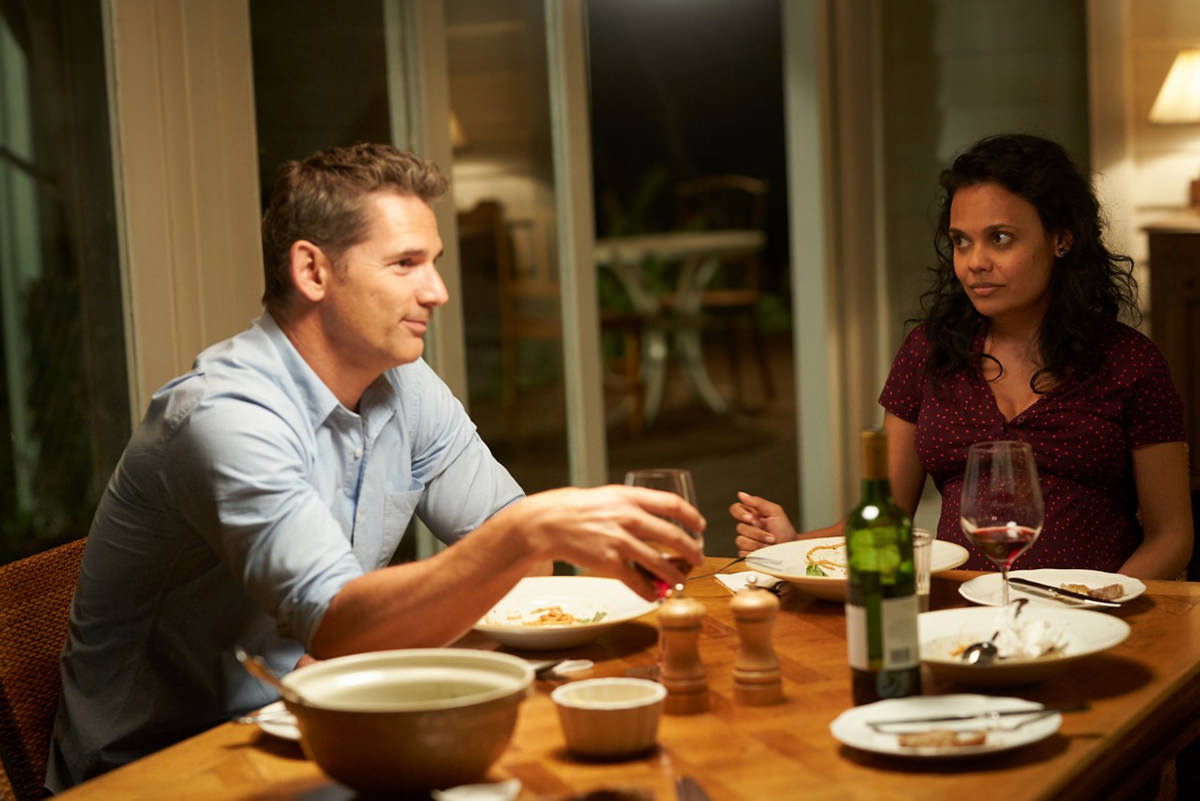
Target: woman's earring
(1062, 251)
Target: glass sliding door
(502, 180)
(691, 232)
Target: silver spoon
(257, 668)
(985, 653)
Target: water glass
(922, 563)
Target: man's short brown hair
(320, 199)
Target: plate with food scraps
(986, 589)
(1040, 644)
(818, 565)
(871, 728)
(543, 613)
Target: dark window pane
(64, 411)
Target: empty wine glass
(678, 481)
(1001, 511)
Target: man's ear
(310, 269)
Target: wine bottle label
(900, 647)
(896, 645)
(857, 639)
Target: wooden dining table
(1143, 700)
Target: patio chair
(723, 202)
(518, 256)
(35, 601)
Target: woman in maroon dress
(1021, 339)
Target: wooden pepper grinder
(756, 680)
(682, 671)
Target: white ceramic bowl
(600, 602)
(411, 719)
(610, 717)
(946, 630)
(787, 561)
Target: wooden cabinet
(1175, 315)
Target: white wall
(1143, 169)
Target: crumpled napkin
(497, 791)
(1025, 637)
(735, 582)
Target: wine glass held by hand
(679, 482)
(1002, 511)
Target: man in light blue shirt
(264, 494)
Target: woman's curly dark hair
(1089, 287)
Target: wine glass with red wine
(1001, 512)
(679, 482)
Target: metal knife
(687, 789)
(1060, 592)
(1036, 710)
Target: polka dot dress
(1082, 433)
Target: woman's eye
(1001, 238)
(959, 242)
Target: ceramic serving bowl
(944, 633)
(408, 720)
(610, 717)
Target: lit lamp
(1178, 100)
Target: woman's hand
(760, 523)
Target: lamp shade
(458, 137)
(1179, 98)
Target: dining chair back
(518, 255)
(35, 602)
(526, 290)
(731, 300)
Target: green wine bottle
(881, 589)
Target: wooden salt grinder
(756, 680)
(682, 671)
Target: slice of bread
(941, 738)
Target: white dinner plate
(985, 589)
(787, 561)
(583, 597)
(1011, 731)
(278, 722)
(945, 632)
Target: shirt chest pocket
(398, 508)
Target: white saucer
(278, 722)
(851, 727)
(985, 589)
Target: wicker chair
(35, 601)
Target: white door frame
(839, 291)
(181, 110)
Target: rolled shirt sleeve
(244, 484)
